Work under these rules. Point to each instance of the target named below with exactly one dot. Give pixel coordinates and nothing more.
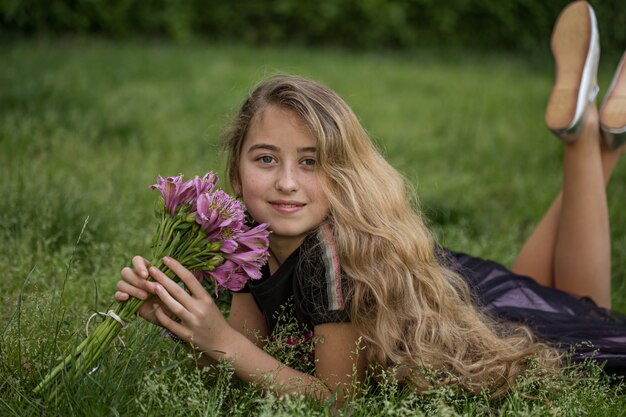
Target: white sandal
(575, 46)
(613, 110)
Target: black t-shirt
(309, 286)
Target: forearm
(253, 365)
(200, 357)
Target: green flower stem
(97, 342)
(65, 362)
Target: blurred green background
(372, 24)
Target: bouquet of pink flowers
(204, 229)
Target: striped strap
(332, 270)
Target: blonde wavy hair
(412, 312)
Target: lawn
(87, 124)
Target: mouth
(286, 206)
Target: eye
(266, 159)
(309, 162)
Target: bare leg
(582, 261)
(536, 258)
(570, 248)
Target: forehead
(278, 124)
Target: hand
(197, 319)
(134, 284)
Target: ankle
(589, 131)
(608, 150)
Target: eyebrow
(268, 147)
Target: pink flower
(229, 246)
(217, 211)
(254, 238)
(175, 192)
(229, 275)
(221, 217)
(252, 251)
(205, 184)
(249, 261)
(244, 256)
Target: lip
(287, 206)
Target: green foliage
(290, 343)
(86, 125)
(518, 24)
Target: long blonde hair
(411, 311)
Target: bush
(514, 24)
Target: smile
(286, 206)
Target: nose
(287, 180)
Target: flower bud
(216, 260)
(159, 208)
(184, 226)
(215, 246)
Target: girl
(362, 272)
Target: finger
(162, 307)
(121, 296)
(148, 311)
(171, 287)
(131, 290)
(140, 264)
(130, 276)
(171, 303)
(170, 324)
(191, 282)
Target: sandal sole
(613, 111)
(570, 44)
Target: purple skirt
(571, 324)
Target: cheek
(246, 182)
(325, 208)
(251, 191)
(322, 201)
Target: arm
(244, 316)
(247, 319)
(203, 326)
(337, 364)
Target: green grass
(86, 125)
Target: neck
(281, 248)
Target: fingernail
(155, 306)
(157, 288)
(166, 259)
(153, 270)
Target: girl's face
(278, 179)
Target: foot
(576, 50)
(613, 111)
